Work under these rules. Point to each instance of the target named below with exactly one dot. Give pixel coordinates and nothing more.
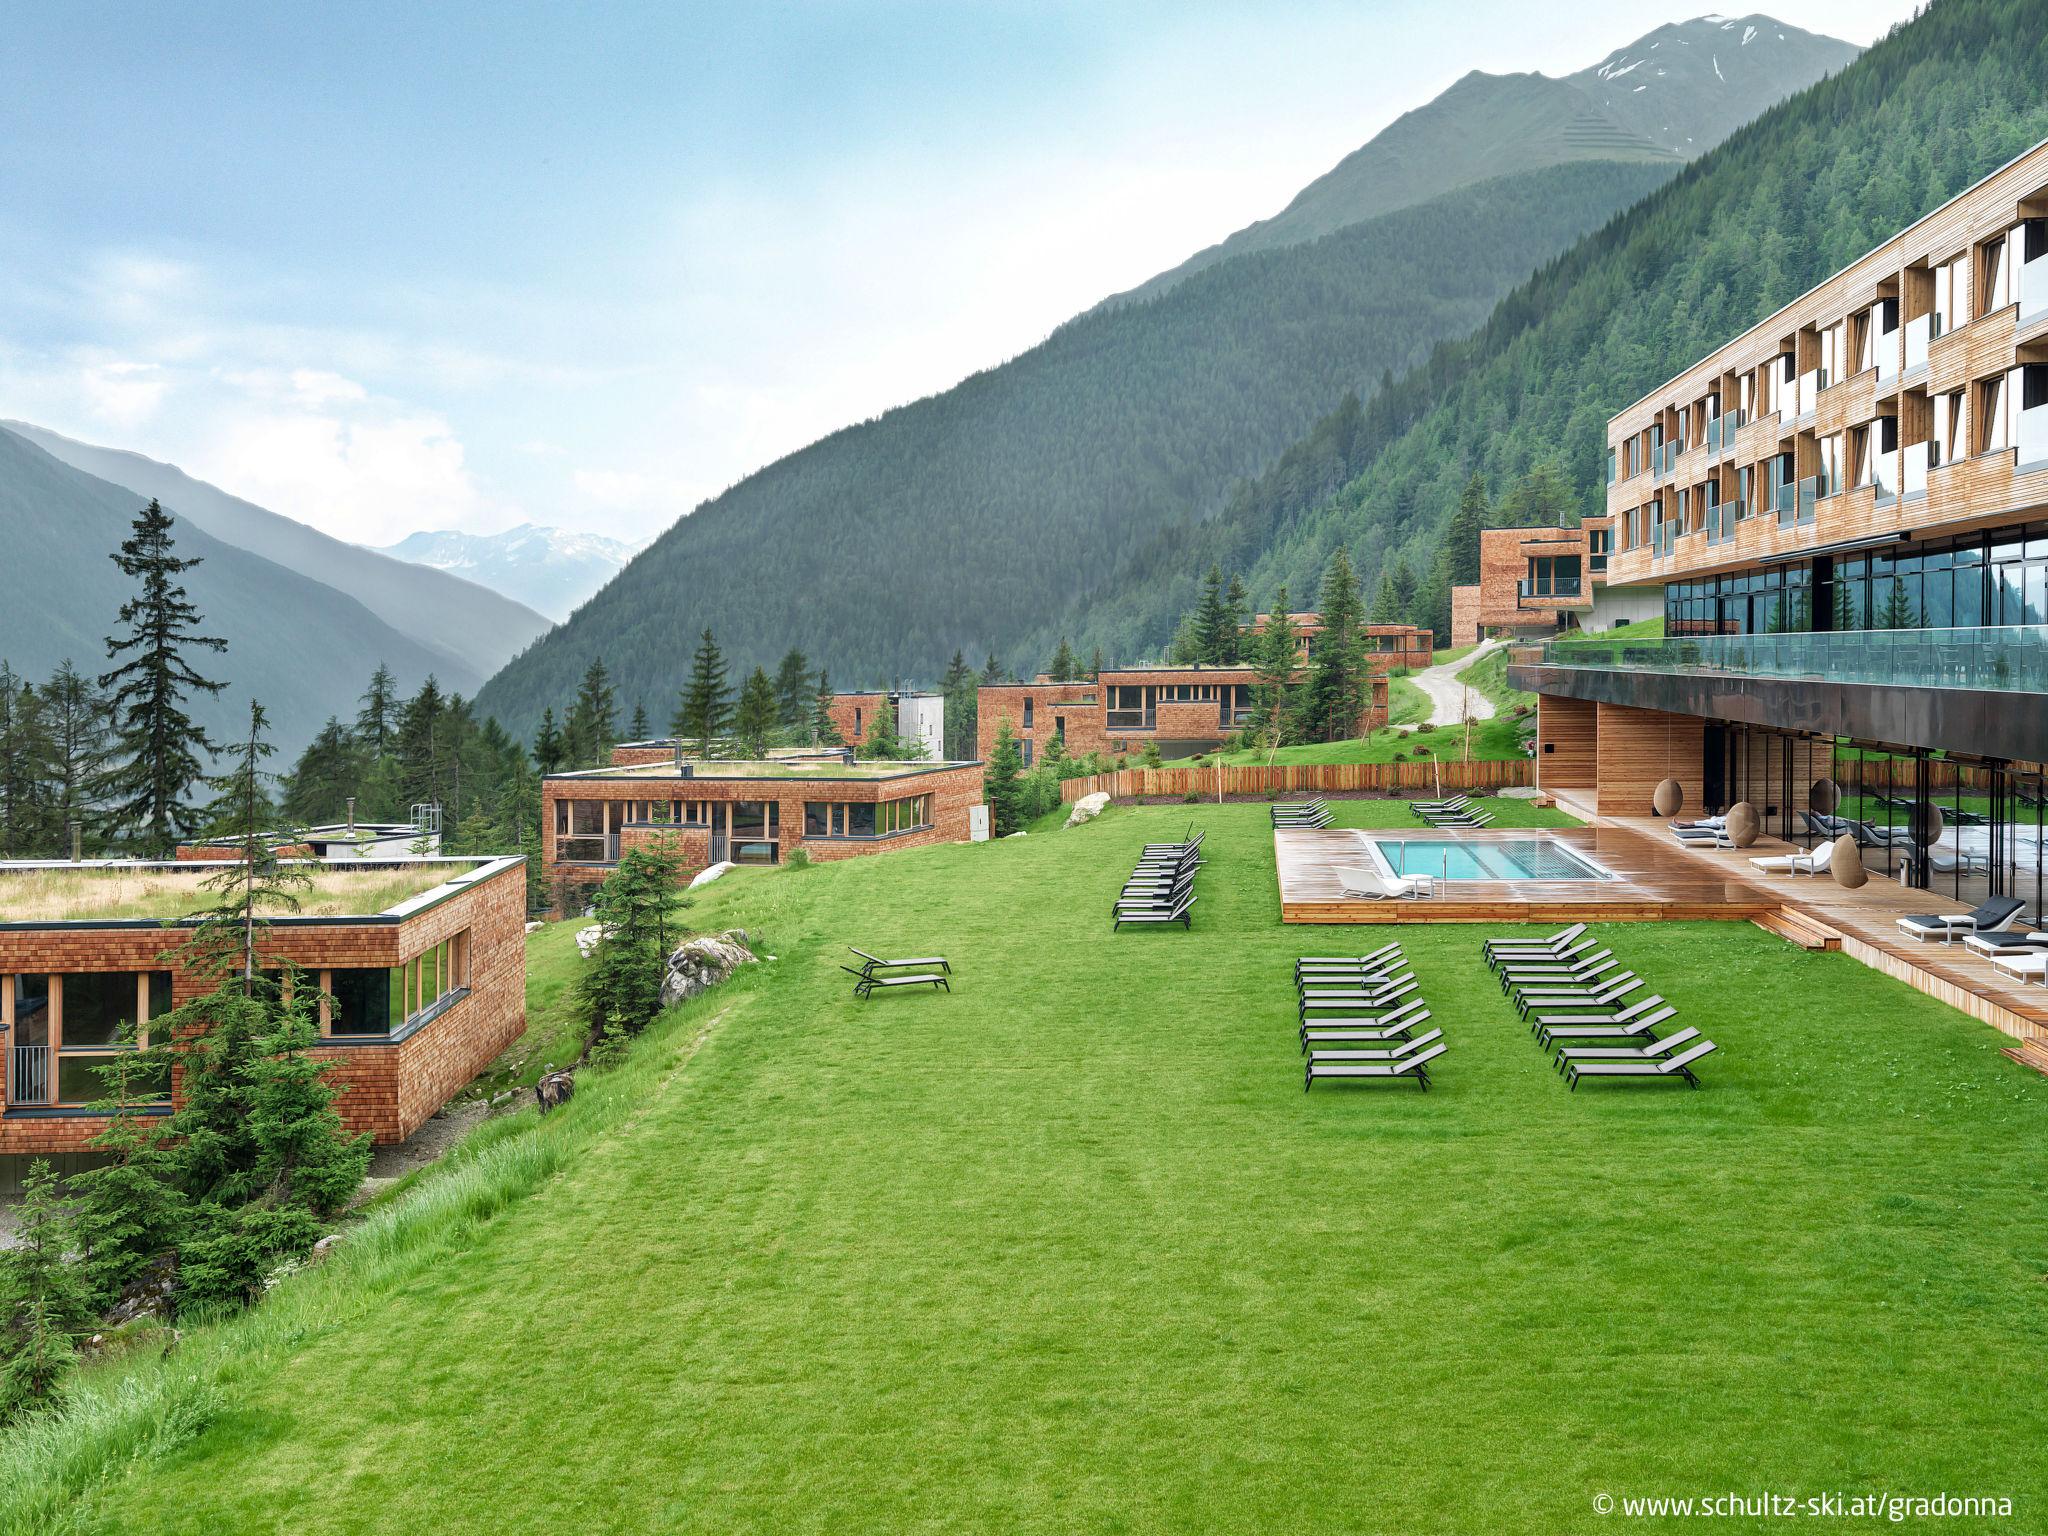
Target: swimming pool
(1517, 858)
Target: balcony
(2011, 659)
(1565, 589)
(1918, 333)
(29, 1080)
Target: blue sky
(388, 267)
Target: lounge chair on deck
(1679, 1066)
(1703, 837)
(2006, 941)
(873, 963)
(1414, 1068)
(1533, 948)
(1817, 862)
(865, 982)
(1988, 918)
(1366, 1029)
(2020, 967)
(1355, 884)
(1383, 953)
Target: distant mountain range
(978, 517)
(549, 569)
(1668, 96)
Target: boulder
(586, 939)
(1087, 808)
(150, 1294)
(535, 927)
(1846, 863)
(1520, 792)
(701, 963)
(705, 877)
(554, 1090)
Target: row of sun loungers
(1358, 1020)
(1301, 813)
(1459, 813)
(924, 971)
(1161, 889)
(1581, 1005)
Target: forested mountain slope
(301, 647)
(1806, 189)
(474, 629)
(1669, 95)
(962, 520)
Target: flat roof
(723, 771)
(37, 893)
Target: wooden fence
(1383, 778)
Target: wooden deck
(1654, 883)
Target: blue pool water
(1519, 858)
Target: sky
(390, 267)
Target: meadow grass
(1070, 1249)
(1495, 740)
(57, 895)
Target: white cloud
(122, 394)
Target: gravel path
(1448, 697)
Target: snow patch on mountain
(551, 569)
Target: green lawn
(1498, 739)
(1070, 1250)
(1407, 704)
(1488, 677)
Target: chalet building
(1184, 710)
(715, 811)
(920, 717)
(421, 963)
(1388, 647)
(1535, 582)
(1845, 509)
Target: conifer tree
(593, 727)
(621, 989)
(824, 729)
(638, 729)
(1386, 600)
(256, 879)
(1213, 632)
(706, 705)
(1063, 664)
(43, 1299)
(1331, 700)
(1236, 612)
(1095, 666)
(1002, 782)
(128, 1207)
(793, 690)
(961, 690)
(1404, 593)
(159, 746)
(754, 719)
(75, 726)
(304, 1155)
(881, 742)
(1461, 535)
(1276, 661)
(378, 718)
(547, 743)
(424, 747)
(992, 673)
(25, 765)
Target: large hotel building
(1846, 511)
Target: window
(364, 1002)
(1027, 711)
(1994, 429)
(1951, 287)
(1024, 751)
(1994, 276)
(68, 1027)
(818, 818)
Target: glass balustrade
(1918, 333)
(2031, 435)
(1887, 355)
(1913, 469)
(1884, 475)
(2033, 287)
(2012, 659)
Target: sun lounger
(1461, 823)
(1518, 979)
(1347, 975)
(1651, 1052)
(1611, 988)
(1704, 837)
(2023, 966)
(1988, 918)
(1609, 1015)
(1178, 913)
(1376, 1053)
(1356, 884)
(1366, 1029)
(1364, 988)
(1643, 1027)
(1412, 1068)
(1373, 1000)
(2006, 942)
(1384, 952)
(875, 963)
(1550, 946)
(1542, 954)
(1817, 862)
(865, 982)
(1678, 1066)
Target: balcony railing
(1918, 333)
(2005, 659)
(29, 1082)
(1556, 586)
(1913, 469)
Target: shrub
(799, 858)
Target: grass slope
(1496, 740)
(1070, 1249)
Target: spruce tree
(1276, 661)
(707, 702)
(378, 717)
(548, 751)
(793, 690)
(1236, 610)
(1213, 633)
(159, 747)
(75, 727)
(754, 719)
(26, 821)
(1461, 535)
(1331, 701)
(992, 673)
(881, 743)
(824, 729)
(635, 906)
(424, 747)
(1002, 782)
(1386, 600)
(961, 690)
(593, 727)
(1404, 592)
(1095, 666)
(43, 1307)
(304, 1156)
(128, 1207)
(1064, 665)
(638, 729)
(256, 879)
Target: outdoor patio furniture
(865, 982)
(1678, 1066)
(1987, 918)
(1384, 952)
(1461, 823)
(1180, 913)
(1650, 1052)
(1703, 837)
(1574, 970)
(1367, 1029)
(1579, 979)
(1355, 884)
(1313, 975)
(2006, 942)
(873, 963)
(1643, 1027)
(1374, 1000)
(1455, 804)
(1618, 985)
(1816, 862)
(1551, 945)
(1413, 1068)
(1375, 1053)
(1572, 1016)
(1546, 954)
(2020, 967)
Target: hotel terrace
(421, 965)
(1846, 509)
(713, 811)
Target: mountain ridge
(550, 570)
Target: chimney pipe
(679, 757)
(351, 816)
(77, 841)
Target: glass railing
(1785, 501)
(591, 849)
(1557, 586)
(1714, 434)
(1811, 490)
(1918, 333)
(2010, 659)
(1888, 355)
(1884, 475)
(1913, 469)
(2031, 435)
(2033, 287)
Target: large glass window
(365, 1002)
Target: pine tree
(1237, 611)
(707, 702)
(1404, 593)
(1002, 784)
(793, 690)
(1461, 535)
(325, 776)
(128, 1207)
(1386, 601)
(1276, 659)
(1064, 665)
(824, 729)
(1095, 666)
(43, 1299)
(159, 746)
(1897, 612)
(754, 720)
(25, 765)
(1214, 633)
(992, 673)
(256, 879)
(635, 906)
(424, 747)
(960, 689)
(377, 718)
(75, 726)
(593, 727)
(548, 750)
(304, 1155)
(639, 726)
(882, 743)
(1332, 699)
